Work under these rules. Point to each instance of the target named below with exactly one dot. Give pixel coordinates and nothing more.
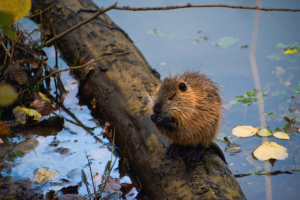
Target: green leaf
(277, 129)
(6, 18)
(265, 132)
(17, 154)
(297, 90)
(250, 93)
(239, 97)
(12, 34)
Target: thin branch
(115, 7)
(80, 24)
(203, 6)
(78, 67)
(38, 13)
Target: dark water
(171, 42)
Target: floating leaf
(233, 149)
(8, 95)
(270, 150)
(290, 129)
(226, 42)
(17, 154)
(291, 51)
(244, 131)
(281, 135)
(44, 175)
(297, 90)
(111, 185)
(265, 132)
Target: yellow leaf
(44, 175)
(270, 150)
(18, 8)
(44, 97)
(20, 114)
(282, 135)
(291, 51)
(244, 131)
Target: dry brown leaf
(244, 131)
(4, 130)
(281, 135)
(270, 150)
(111, 185)
(37, 104)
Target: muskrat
(187, 109)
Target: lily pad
(244, 131)
(233, 149)
(281, 135)
(270, 150)
(226, 42)
(265, 132)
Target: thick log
(122, 93)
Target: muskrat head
(165, 102)
(187, 108)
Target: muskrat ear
(182, 87)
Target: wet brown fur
(196, 112)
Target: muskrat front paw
(158, 120)
(154, 117)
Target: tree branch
(115, 7)
(203, 6)
(80, 24)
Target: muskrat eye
(182, 87)
(171, 97)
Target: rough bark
(122, 93)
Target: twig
(78, 67)
(94, 186)
(80, 24)
(204, 6)
(86, 182)
(40, 12)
